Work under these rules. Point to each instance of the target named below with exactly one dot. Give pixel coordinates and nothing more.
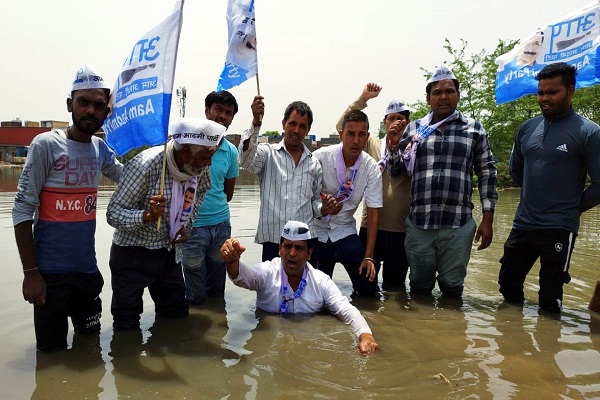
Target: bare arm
(228, 188)
(485, 231)
(231, 251)
(258, 111)
(34, 287)
(368, 264)
(370, 91)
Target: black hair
(565, 71)
(301, 108)
(430, 85)
(222, 97)
(355, 116)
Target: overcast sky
(318, 51)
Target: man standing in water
(289, 176)
(142, 255)
(289, 284)
(391, 232)
(57, 189)
(551, 158)
(349, 176)
(441, 152)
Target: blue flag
(572, 39)
(241, 61)
(141, 98)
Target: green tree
(132, 153)
(274, 134)
(381, 132)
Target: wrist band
(369, 259)
(30, 269)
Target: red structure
(19, 135)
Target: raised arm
(249, 140)
(370, 91)
(231, 251)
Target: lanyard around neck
(283, 309)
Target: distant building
(54, 124)
(13, 123)
(329, 141)
(15, 137)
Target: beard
(190, 170)
(88, 129)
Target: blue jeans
(203, 267)
(445, 252)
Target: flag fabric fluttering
(141, 98)
(573, 39)
(241, 61)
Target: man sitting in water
(289, 284)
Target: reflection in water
(75, 373)
(145, 367)
(478, 348)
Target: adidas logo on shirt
(563, 147)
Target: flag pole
(257, 78)
(162, 180)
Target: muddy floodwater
(478, 348)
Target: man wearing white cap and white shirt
(143, 255)
(58, 189)
(389, 246)
(288, 284)
(441, 151)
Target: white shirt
(320, 291)
(287, 191)
(367, 184)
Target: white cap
(441, 73)
(198, 131)
(395, 106)
(88, 78)
(296, 230)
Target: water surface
(478, 348)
